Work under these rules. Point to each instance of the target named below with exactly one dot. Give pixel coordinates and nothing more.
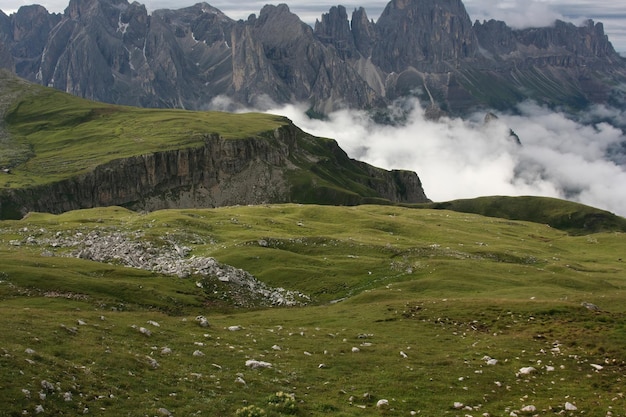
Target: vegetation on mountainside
(63, 135)
(437, 312)
(571, 217)
(47, 136)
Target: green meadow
(411, 312)
(54, 136)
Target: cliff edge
(82, 154)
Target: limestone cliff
(286, 165)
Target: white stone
(254, 364)
(527, 370)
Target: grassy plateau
(55, 135)
(435, 311)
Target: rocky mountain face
(114, 51)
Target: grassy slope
(63, 135)
(571, 217)
(445, 288)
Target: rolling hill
(422, 311)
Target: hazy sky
(517, 13)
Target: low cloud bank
(581, 161)
(518, 14)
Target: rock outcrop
(114, 51)
(427, 35)
(167, 257)
(286, 165)
(277, 56)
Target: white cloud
(465, 158)
(517, 13)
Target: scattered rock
(590, 306)
(128, 248)
(152, 362)
(202, 321)
(527, 370)
(382, 403)
(490, 361)
(254, 364)
(47, 386)
(164, 412)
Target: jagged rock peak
(334, 29)
(588, 40)
(280, 25)
(363, 31)
(419, 33)
(203, 7)
(272, 10)
(80, 9)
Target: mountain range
(196, 57)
